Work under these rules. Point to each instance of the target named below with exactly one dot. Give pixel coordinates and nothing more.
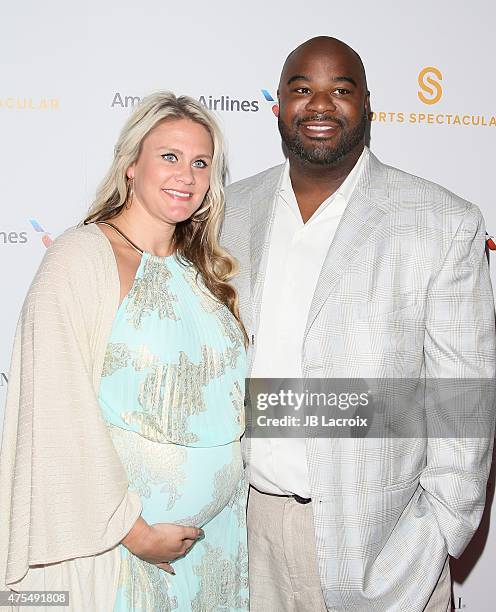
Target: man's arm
(460, 344)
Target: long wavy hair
(195, 239)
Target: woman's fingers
(190, 536)
(167, 567)
(192, 533)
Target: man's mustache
(316, 118)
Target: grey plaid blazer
(404, 292)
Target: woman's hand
(161, 543)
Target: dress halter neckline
(123, 235)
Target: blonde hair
(195, 239)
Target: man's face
(323, 104)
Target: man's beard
(321, 152)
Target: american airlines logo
(223, 103)
(268, 96)
(45, 236)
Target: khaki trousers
(283, 566)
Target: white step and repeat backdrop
(71, 72)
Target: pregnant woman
(121, 454)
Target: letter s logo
(430, 85)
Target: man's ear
(275, 108)
(368, 112)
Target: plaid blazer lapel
(364, 212)
(262, 210)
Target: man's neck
(314, 183)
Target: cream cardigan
(64, 493)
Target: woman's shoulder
(80, 256)
(82, 240)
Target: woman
(121, 469)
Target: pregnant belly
(179, 484)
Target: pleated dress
(171, 394)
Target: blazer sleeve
(64, 493)
(460, 344)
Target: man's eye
(342, 91)
(169, 157)
(200, 163)
(302, 90)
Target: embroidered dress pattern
(136, 574)
(116, 357)
(172, 396)
(222, 579)
(151, 293)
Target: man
(351, 269)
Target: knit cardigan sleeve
(63, 491)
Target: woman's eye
(169, 157)
(200, 163)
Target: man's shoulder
(406, 188)
(266, 178)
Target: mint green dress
(172, 396)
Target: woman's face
(172, 173)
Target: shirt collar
(345, 190)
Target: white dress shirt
(296, 254)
